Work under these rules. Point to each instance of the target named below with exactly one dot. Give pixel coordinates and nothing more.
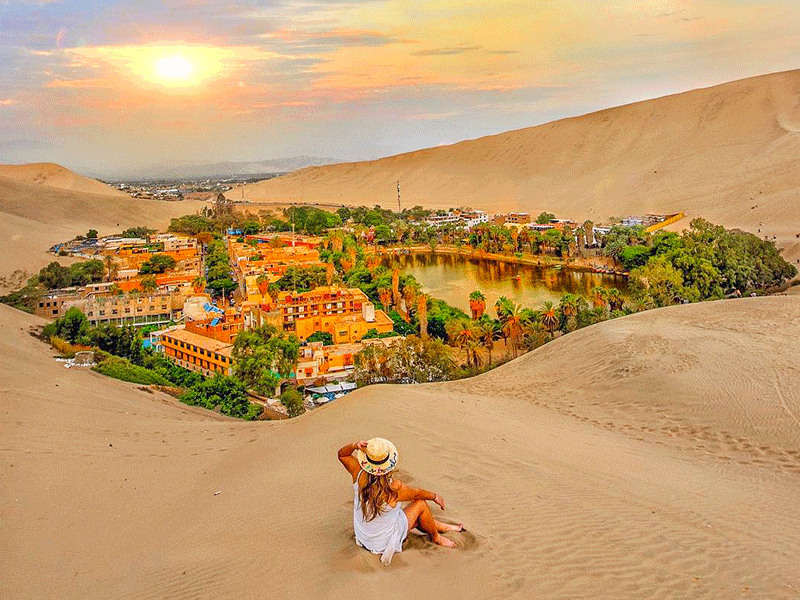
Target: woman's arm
(348, 460)
(409, 494)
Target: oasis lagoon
(453, 277)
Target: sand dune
(36, 215)
(729, 153)
(654, 456)
(56, 176)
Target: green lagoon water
(452, 278)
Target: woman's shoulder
(396, 485)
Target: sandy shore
(653, 456)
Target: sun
(174, 67)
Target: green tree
(119, 341)
(545, 217)
(73, 326)
(137, 232)
(461, 331)
(92, 234)
(488, 334)
(658, 282)
(324, 337)
(223, 393)
(634, 256)
(263, 356)
(293, 401)
(148, 284)
(158, 263)
(477, 304)
(550, 316)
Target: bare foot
(450, 527)
(443, 541)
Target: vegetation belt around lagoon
(469, 252)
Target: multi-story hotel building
(128, 309)
(195, 352)
(346, 313)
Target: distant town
(199, 188)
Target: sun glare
(174, 67)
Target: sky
(116, 87)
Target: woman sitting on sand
(381, 525)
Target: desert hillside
(639, 458)
(56, 176)
(729, 153)
(34, 214)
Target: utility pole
(398, 197)
(294, 256)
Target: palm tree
(460, 331)
(488, 334)
(511, 318)
(422, 315)
(477, 304)
(385, 295)
(472, 350)
(410, 291)
(549, 317)
(642, 303)
(148, 284)
(502, 306)
(111, 267)
(570, 306)
(336, 240)
(396, 286)
(199, 284)
(599, 296)
(615, 299)
(330, 271)
(535, 335)
(588, 232)
(263, 284)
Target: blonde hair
(375, 495)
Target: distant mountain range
(190, 170)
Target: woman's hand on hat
(362, 445)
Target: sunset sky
(111, 87)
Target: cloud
(446, 51)
(7, 101)
(502, 52)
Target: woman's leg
(419, 516)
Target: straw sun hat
(379, 458)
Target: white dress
(382, 535)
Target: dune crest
(56, 176)
(653, 456)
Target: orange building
(172, 280)
(318, 363)
(346, 313)
(196, 352)
(133, 258)
(223, 326)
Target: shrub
(124, 370)
(223, 393)
(326, 338)
(66, 349)
(293, 401)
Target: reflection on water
(452, 278)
